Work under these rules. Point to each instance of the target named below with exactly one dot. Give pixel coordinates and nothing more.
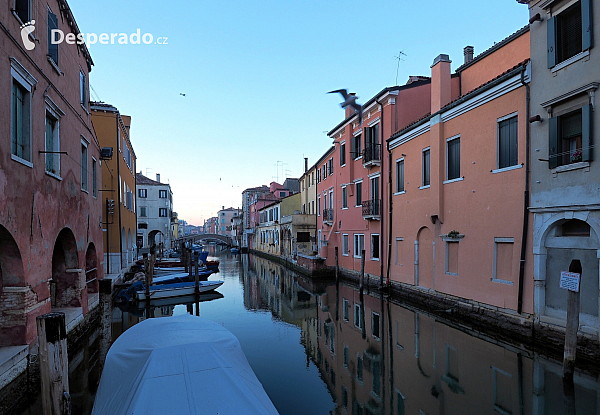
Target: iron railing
(371, 208)
(372, 153)
(327, 215)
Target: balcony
(328, 215)
(371, 209)
(372, 155)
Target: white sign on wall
(570, 281)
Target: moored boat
(177, 289)
(179, 365)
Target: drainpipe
(119, 192)
(525, 197)
(381, 207)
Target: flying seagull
(350, 100)
(181, 94)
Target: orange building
(118, 192)
(460, 222)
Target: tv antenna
(399, 59)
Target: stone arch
(66, 282)
(13, 329)
(424, 258)
(559, 238)
(91, 269)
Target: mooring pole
(54, 364)
(572, 325)
(196, 268)
(105, 288)
(337, 266)
(361, 283)
(189, 261)
(147, 275)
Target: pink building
(351, 189)
(51, 246)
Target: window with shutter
(569, 32)
(507, 143)
(453, 159)
(570, 139)
(22, 9)
(52, 47)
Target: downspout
(525, 196)
(389, 213)
(119, 192)
(381, 208)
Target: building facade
(225, 217)
(51, 248)
(155, 208)
(118, 193)
(565, 200)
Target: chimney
(441, 92)
(468, 51)
(349, 110)
(305, 164)
(158, 177)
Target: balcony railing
(372, 154)
(327, 215)
(371, 209)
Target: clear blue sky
(256, 74)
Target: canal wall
(500, 323)
(22, 382)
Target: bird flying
(181, 94)
(350, 100)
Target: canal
(319, 348)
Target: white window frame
(359, 244)
(27, 82)
(446, 262)
(373, 314)
(345, 309)
(456, 179)
(345, 244)
(343, 151)
(357, 312)
(498, 169)
(495, 261)
(344, 198)
(373, 258)
(423, 185)
(85, 180)
(95, 178)
(55, 112)
(397, 256)
(358, 192)
(400, 192)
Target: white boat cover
(179, 365)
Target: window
(222, 220)
(507, 143)
(399, 245)
(94, 177)
(162, 194)
(21, 120)
(143, 212)
(359, 245)
(375, 324)
(453, 158)
(359, 372)
(84, 166)
(400, 176)
(359, 194)
(356, 146)
(375, 247)
(400, 403)
(143, 193)
(162, 212)
(330, 166)
(570, 138)
(346, 309)
(358, 316)
(83, 89)
(282, 194)
(142, 226)
(52, 144)
(503, 260)
(426, 167)
(345, 248)
(52, 46)
(502, 384)
(569, 32)
(344, 198)
(319, 206)
(23, 10)
(342, 154)
(451, 258)
(303, 237)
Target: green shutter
(553, 143)
(586, 25)
(52, 47)
(586, 133)
(551, 42)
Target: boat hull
(177, 289)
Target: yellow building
(118, 188)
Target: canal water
(319, 348)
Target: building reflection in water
(378, 357)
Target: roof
(494, 48)
(489, 84)
(64, 8)
(140, 179)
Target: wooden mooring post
(337, 267)
(189, 262)
(572, 325)
(106, 304)
(54, 364)
(361, 283)
(196, 275)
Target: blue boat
(235, 250)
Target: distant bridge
(205, 237)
